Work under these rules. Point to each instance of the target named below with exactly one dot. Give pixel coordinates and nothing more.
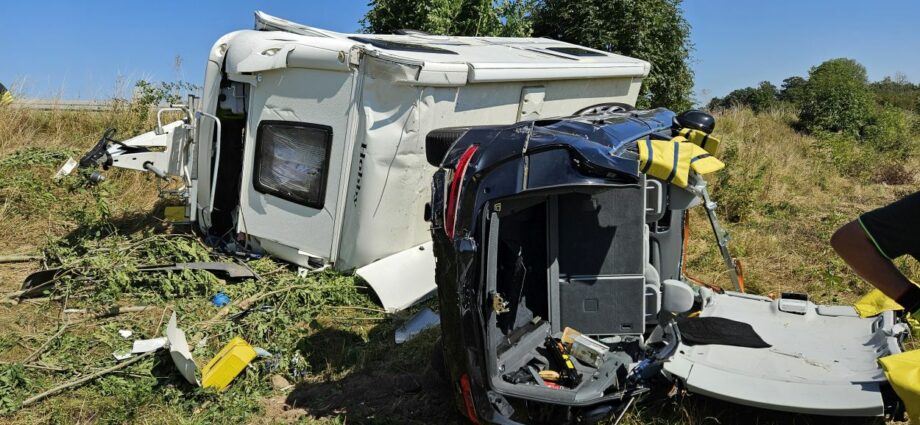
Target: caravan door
(297, 130)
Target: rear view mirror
(438, 142)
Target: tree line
(837, 97)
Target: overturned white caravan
(311, 143)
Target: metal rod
(199, 114)
(699, 188)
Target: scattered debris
(220, 299)
(419, 322)
(242, 314)
(111, 312)
(125, 333)
(227, 364)
(230, 270)
(178, 350)
(36, 283)
(121, 355)
(220, 371)
(148, 345)
(65, 170)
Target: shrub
(837, 98)
(889, 131)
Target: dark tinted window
(407, 47)
(576, 51)
(292, 161)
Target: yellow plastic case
(227, 364)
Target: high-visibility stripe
(703, 143)
(648, 155)
(674, 165)
(703, 156)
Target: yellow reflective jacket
(903, 373)
(6, 98)
(672, 160)
(701, 139)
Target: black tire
(605, 107)
(438, 362)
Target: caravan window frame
(257, 166)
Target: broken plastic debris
(422, 320)
(220, 299)
(148, 345)
(227, 364)
(125, 333)
(66, 169)
(178, 350)
(121, 355)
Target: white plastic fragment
(125, 333)
(422, 320)
(148, 345)
(121, 355)
(66, 169)
(178, 350)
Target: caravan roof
(446, 60)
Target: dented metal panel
(401, 279)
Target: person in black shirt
(870, 243)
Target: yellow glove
(874, 303)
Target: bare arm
(852, 244)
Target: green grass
(781, 196)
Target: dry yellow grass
(58, 132)
(781, 198)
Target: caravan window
(292, 161)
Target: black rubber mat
(719, 330)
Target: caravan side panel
(390, 176)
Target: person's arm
(860, 253)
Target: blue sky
(81, 49)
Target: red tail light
(468, 399)
(450, 212)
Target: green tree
(793, 90)
(837, 98)
(505, 18)
(652, 30)
(760, 98)
(898, 92)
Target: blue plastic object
(220, 299)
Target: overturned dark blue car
(563, 299)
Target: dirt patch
(372, 396)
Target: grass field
(781, 195)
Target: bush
(837, 98)
(889, 131)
